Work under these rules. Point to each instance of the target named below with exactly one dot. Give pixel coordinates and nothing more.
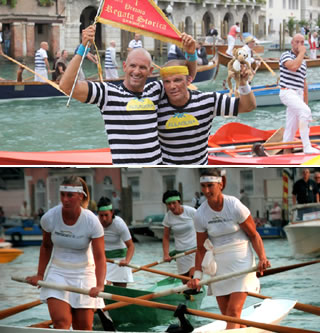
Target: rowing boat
(232, 144)
(268, 95)
(9, 254)
(145, 317)
(28, 233)
(212, 49)
(270, 311)
(273, 63)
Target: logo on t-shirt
(142, 104)
(180, 120)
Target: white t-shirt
(183, 228)
(223, 227)
(72, 243)
(116, 234)
(134, 44)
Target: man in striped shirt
(129, 111)
(41, 63)
(110, 62)
(185, 116)
(135, 43)
(294, 93)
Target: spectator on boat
(92, 57)
(135, 43)
(179, 220)
(185, 116)
(61, 65)
(110, 62)
(25, 211)
(317, 180)
(313, 40)
(41, 62)
(73, 239)
(118, 244)
(202, 54)
(294, 94)
(212, 35)
(133, 136)
(57, 55)
(276, 215)
(233, 235)
(175, 53)
(305, 190)
(234, 32)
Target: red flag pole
(83, 56)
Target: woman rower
(228, 224)
(118, 244)
(73, 239)
(179, 219)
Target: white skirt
(115, 273)
(185, 263)
(236, 259)
(76, 277)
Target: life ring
(16, 237)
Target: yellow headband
(173, 70)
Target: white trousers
(313, 54)
(231, 42)
(111, 73)
(42, 72)
(298, 116)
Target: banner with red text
(140, 16)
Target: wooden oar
(53, 84)
(299, 306)
(276, 270)
(271, 144)
(19, 308)
(141, 302)
(151, 270)
(267, 66)
(179, 255)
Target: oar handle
(141, 302)
(179, 255)
(151, 270)
(268, 67)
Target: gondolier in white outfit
(41, 63)
(294, 93)
(110, 62)
(72, 254)
(229, 226)
(118, 244)
(179, 220)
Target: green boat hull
(144, 317)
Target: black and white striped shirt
(290, 79)
(130, 121)
(110, 58)
(184, 131)
(40, 55)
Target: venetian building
(60, 22)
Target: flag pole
(83, 56)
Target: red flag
(141, 16)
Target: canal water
(47, 125)
(301, 284)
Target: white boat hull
(269, 311)
(303, 238)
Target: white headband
(77, 189)
(210, 179)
